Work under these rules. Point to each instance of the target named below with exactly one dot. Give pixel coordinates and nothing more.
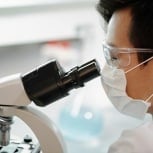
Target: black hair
(141, 28)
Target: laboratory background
(33, 32)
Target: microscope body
(42, 86)
(12, 92)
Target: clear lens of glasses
(121, 57)
(116, 58)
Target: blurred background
(33, 32)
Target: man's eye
(114, 58)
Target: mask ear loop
(149, 97)
(139, 64)
(135, 68)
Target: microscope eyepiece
(77, 76)
(49, 82)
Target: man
(127, 76)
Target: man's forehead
(119, 27)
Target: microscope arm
(46, 132)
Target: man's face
(139, 80)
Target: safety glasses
(120, 57)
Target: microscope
(42, 86)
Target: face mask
(114, 83)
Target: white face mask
(114, 83)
